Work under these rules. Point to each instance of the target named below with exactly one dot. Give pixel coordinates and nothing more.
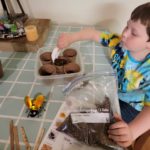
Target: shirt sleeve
(147, 95)
(147, 99)
(144, 69)
(109, 39)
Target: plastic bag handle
(85, 77)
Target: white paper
(90, 117)
(55, 53)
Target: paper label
(90, 117)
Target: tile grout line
(41, 120)
(25, 83)
(34, 83)
(9, 60)
(44, 115)
(25, 118)
(23, 108)
(13, 58)
(6, 146)
(53, 37)
(11, 85)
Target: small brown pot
(47, 70)
(70, 54)
(59, 63)
(46, 58)
(71, 68)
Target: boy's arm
(66, 39)
(141, 123)
(86, 34)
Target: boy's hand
(64, 40)
(120, 132)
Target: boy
(130, 58)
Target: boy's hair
(142, 13)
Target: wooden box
(21, 44)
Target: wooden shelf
(21, 44)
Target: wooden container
(22, 44)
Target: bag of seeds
(92, 100)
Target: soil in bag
(92, 134)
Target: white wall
(111, 14)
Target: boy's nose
(124, 35)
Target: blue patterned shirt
(133, 76)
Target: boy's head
(136, 35)
(142, 14)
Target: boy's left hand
(120, 132)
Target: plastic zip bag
(92, 99)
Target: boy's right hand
(120, 132)
(64, 40)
